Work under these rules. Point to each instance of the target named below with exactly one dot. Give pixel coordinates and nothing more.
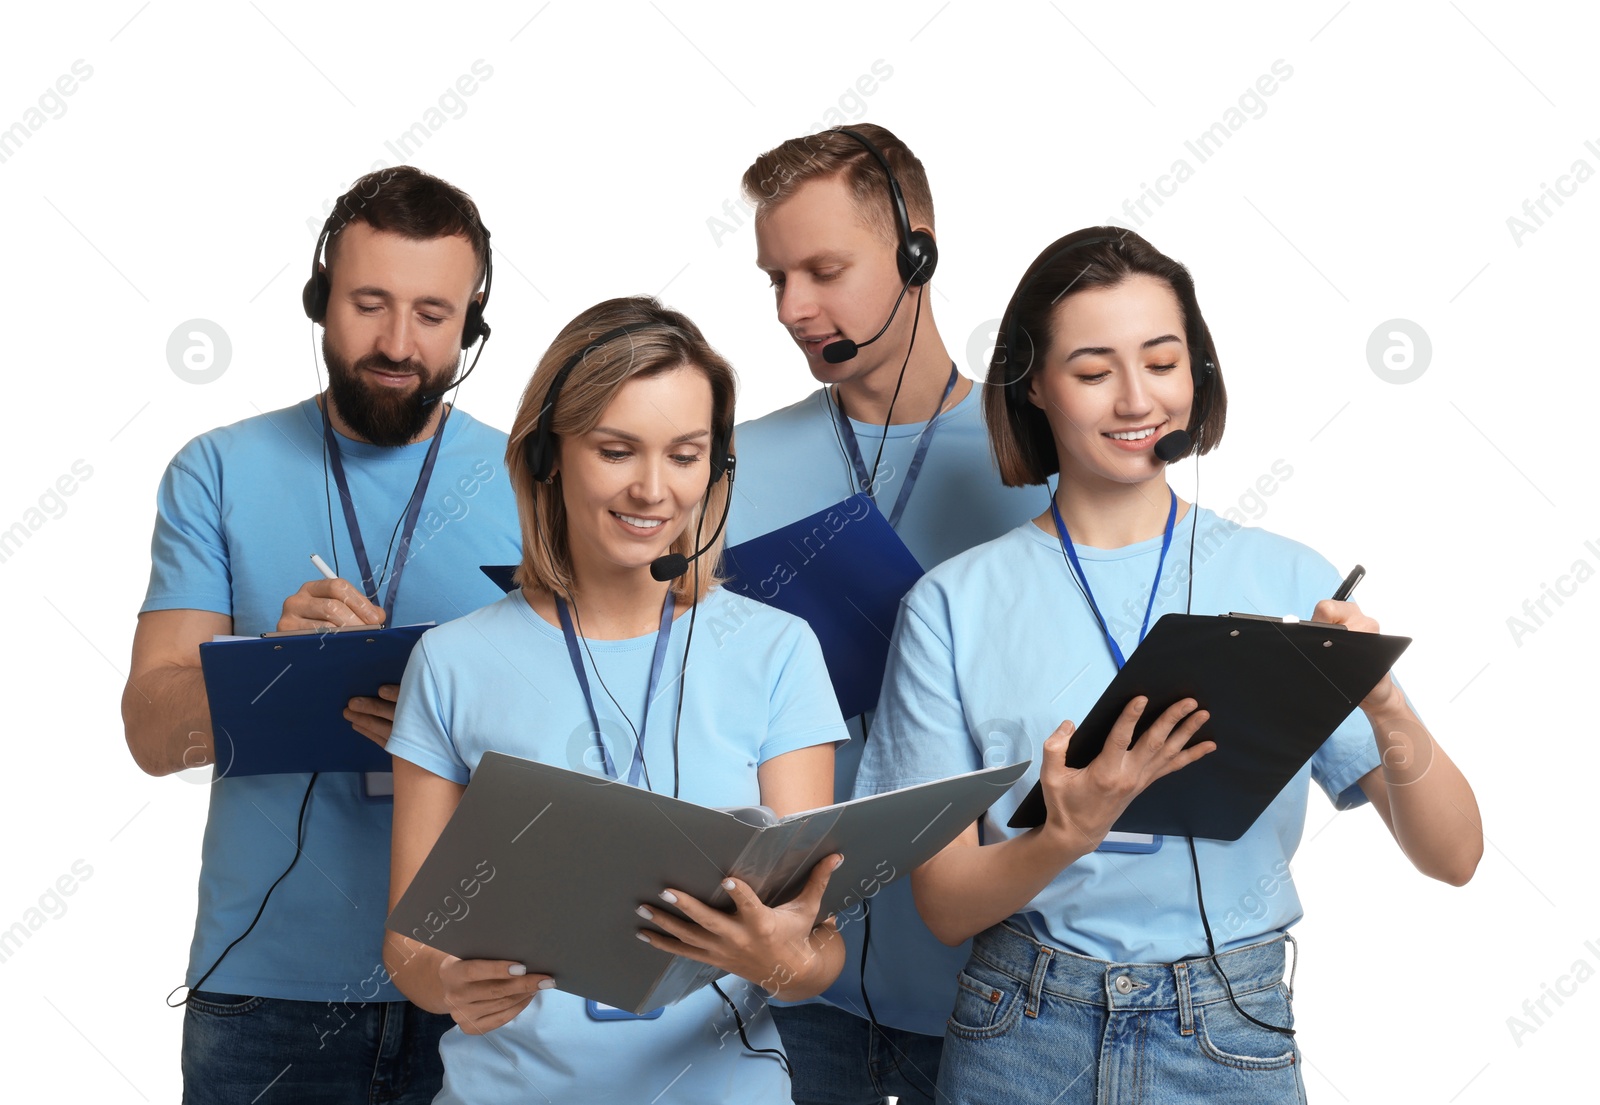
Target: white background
(188, 174)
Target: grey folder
(546, 866)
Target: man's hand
(328, 604)
(373, 718)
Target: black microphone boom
(838, 352)
(673, 565)
(433, 396)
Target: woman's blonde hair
(656, 340)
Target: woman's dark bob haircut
(1094, 257)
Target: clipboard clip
(1283, 621)
(323, 631)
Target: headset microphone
(1174, 445)
(433, 396)
(1178, 443)
(838, 352)
(673, 565)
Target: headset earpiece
(473, 327)
(918, 258)
(314, 296)
(722, 459)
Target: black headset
(919, 253)
(1201, 370)
(314, 297)
(541, 447)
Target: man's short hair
(407, 201)
(782, 170)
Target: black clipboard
(1276, 691)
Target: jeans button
(1124, 984)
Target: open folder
(546, 866)
(1275, 691)
(844, 570)
(277, 703)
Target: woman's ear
(1033, 392)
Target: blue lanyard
(413, 510)
(1077, 568)
(864, 479)
(663, 635)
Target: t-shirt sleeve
(919, 732)
(802, 709)
(188, 551)
(1343, 759)
(421, 721)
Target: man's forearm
(166, 719)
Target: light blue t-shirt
(239, 512)
(791, 465)
(996, 647)
(501, 679)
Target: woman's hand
(483, 994)
(1084, 802)
(1385, 696)
(1417, 789)
(778, 947)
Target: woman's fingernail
(547, 984)
(727, 884)
(838, 863)
(516, 969)
(669, 897)
(645, 913)
(643, 936)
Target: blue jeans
(240, 1049)
(837, 1058)
(1033, 1023)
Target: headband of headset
(918, 254)
(319, 289)
(541, 442)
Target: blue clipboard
(277, 703)
(501, 575)
(844, 570)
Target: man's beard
(381, 415)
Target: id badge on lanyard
(1127, 843)
(600, 1012)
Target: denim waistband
(1124, 987)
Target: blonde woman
(620, 459)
